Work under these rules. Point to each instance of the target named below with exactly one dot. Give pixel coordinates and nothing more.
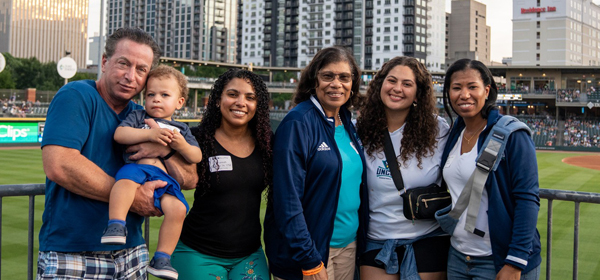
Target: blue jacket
(513, 196)
(306, 184)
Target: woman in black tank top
(221, 236)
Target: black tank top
(225, 221)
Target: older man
(80, 159)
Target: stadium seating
(581, 133)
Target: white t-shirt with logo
(385, 204)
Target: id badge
(220, 163)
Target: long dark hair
(308, 79)
(486, 77)
(260, 125)
(421, 127)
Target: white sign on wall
(2, 62)
(67, 67)
(510, 97)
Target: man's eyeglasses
(330, 76)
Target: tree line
(22, 73)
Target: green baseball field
(557, 170)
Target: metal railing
(578, 198)
(32, 190)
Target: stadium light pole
(101, 41)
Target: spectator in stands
(16, 111)
(80, 165)
(221, 236)
(318, 208)
(166, 91)
(505, 243)
(400, 103)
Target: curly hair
(308, 78)
(259, 125)
(163, 71)
(486, 77)
(421, 127)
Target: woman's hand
(508, 272)
(322, 275)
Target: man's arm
(178, 168)
(181, 170)
(70, 169)
(74, 172)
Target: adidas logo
(323, 147)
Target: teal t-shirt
(346, 217)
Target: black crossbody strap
(392, 162)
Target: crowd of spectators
(577, 131)
(17, 108)
(581, 133)
(575, 95)
(544, 129)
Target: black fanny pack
(420, 203)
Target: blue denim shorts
(461, 266)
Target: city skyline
(499, 18)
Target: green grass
(25, 166)
(554, 174)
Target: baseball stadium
(561, 105)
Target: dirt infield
(591, 162)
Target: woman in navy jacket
(318, 205)
(508, 246)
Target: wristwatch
(169, 155)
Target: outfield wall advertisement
(21, 132)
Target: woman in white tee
(401, 103)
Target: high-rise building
(45, 29)
(436, 36)
(468, 33)
(93, 50)
(251, 22)
(393, 28)
(190, 29)
(290, 33)
(556, 33)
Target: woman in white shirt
(502, 242)
(401, 103)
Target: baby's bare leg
(121, 198)
(170, 230)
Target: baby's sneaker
(161, 268)
(115, 234)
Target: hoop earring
(351, 93)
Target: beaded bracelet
(313, 271)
